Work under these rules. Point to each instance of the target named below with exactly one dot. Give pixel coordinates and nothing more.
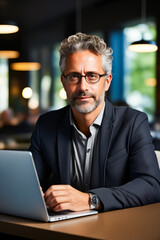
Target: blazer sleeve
(41, 165)
(143, 186)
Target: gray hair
(82, 41)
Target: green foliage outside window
(140, 74)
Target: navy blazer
(125, 172)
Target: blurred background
(26, 91)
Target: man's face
(85, 97)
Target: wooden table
(140, 223)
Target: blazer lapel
(64, 149)
(64, 145)
(105, 138)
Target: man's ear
(62, 81)
(108, 82)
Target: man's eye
(74, 76)
(92, 75)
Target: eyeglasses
(75, 78)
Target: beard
(85, 107)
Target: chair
(158, 157)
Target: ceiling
(46, 21)
(34, 13)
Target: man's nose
(83, 85)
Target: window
(140, 71)
(3, 84)
(134, 74)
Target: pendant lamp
(143, 45)
(8, 27)
(25, 66)
(9, 54)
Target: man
(90, 154)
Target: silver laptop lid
(20, 193)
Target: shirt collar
(97, 121)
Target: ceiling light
(25, 66)
(9, 54)
(8, 28)
(143, 45)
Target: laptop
(20, 193)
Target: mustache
(82, 94)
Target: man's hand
(42, 191)
(65, 197)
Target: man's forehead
(83, 61)
(83, 56)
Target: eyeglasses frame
(100, 75)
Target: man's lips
(83, 97)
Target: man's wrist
(94, 201)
